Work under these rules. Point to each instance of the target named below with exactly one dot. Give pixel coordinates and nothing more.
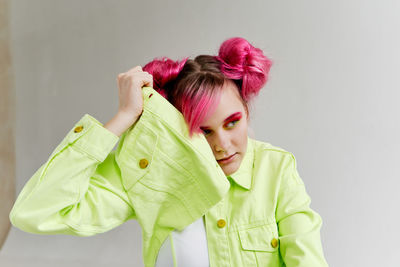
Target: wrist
(126, 117)
(120, 123)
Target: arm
(78, 190)
(299, 226)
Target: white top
(188, 247)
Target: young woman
(204, 193)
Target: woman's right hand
(130, 108)
(130, 85)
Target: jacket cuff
(162, 167)
(90, 136)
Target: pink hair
(244, 63)
(194, 86)
(163, 71)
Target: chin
(233, 166)
(228, 170)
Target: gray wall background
(332, 100)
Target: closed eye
(205, 131)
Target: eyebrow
(234, 116)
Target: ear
(246, 108)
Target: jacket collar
(243, 176)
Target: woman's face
(226, 129)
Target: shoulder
(262, 148)
(267, 154)
(271, 158)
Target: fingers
(137, 76)
(147, 79)
(139, 69)
(136, 69)
(132, 70)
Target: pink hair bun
(242, 61)
(163, 70)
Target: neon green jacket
(159, 176)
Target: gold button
(143, 163)
(221, 223)
(274, 242)
(78, 129)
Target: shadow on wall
(7, 118)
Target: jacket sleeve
(78, 191)
(298, 225)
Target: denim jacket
(164, 179)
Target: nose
(221, 143)
(218, 149)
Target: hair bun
(242, 61)
(163, 70)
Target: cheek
(240, 137)
(209, 141)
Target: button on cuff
(78, 129)
(90, 136)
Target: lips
(227, 159)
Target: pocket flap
(261, 238)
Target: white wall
(331, 100)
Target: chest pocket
(260, 245)
(260, 238)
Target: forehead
(230, 102)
